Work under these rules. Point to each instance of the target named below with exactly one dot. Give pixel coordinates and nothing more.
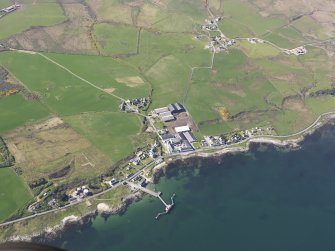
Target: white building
(182, 129)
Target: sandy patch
(130, 81)
(51, 123)
(70, 219)
(109, 90)
(103, 207)
(294, 104)
(19, 156)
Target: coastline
(77, 222)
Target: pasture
(116, 39)
(47, 147)
(246, 15)
(40, 13)
(25, 112)
(170, 16)
(14, 193)
(104, 72)
(5, 3)
(64, 93)
(259, 50)
(112, 133)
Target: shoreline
(102, 209)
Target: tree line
(7, 157)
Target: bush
(8, 158)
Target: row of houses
(301, 50)
(134, 105)
(10, 8)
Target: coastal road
(83, 200)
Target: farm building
(176, 108)
(161, 110)
(189, 136)
(167, 118)
(167, 137)
(182, 129)
(163, 114)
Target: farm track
(82, 79)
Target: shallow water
(266, 199)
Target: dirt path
(82, 79)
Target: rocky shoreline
(76, 223)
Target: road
(83, 200)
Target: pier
(168, 207)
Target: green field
(171, 16)
(5, 3)
(91, 112)
(25, 112)
(112, 133)
(106, 72)
(116, 39)
(41, 13)
(14, 193)
(62, 92)
(258, 50)
(306, 25)
(247, 16)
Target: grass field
(247, 16)
(106, 72)
(112, 133)
(14, 193)
(170, 16)
(258, 50)
(232, 28)
(25, 112)
(169, 77)
(154, 46)
(61, 91)
(281, 40)
(306, 25)
(41, 13)
(45, 148)
(5, 3)
(116, 39)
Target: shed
(161, 110)
(189, 136)
(176, 108)
(182, 129)
(167, 118)
(163, 114)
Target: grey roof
(167, 118)
(176, 107)
(179, 107)
(172, 108)
(163, 114)
(189, 136)
(167, 136)
(161, 110)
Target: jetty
(168, 207)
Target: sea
(269, 198)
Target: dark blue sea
(269, 198)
